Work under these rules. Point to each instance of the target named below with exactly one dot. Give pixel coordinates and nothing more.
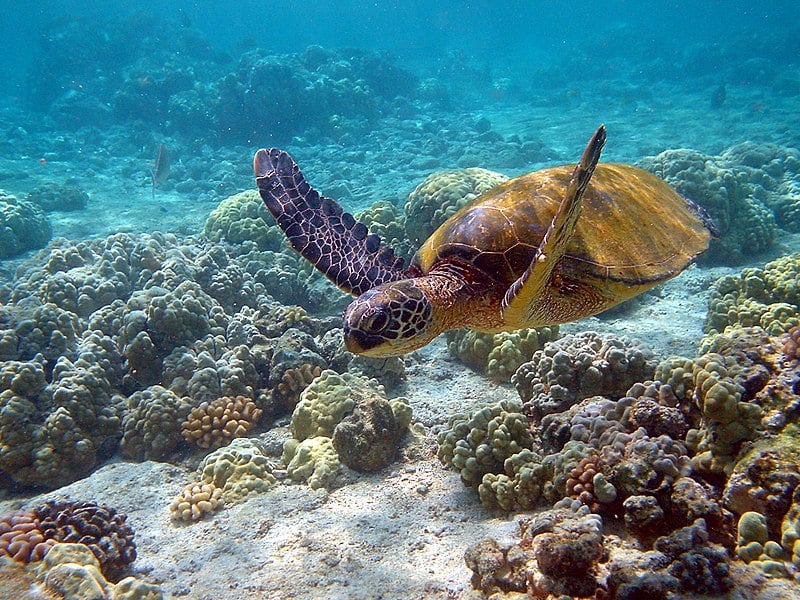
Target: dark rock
(368, 438)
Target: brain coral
(441, 194)
(23, 226)
(768, 297)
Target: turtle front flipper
(528, 300)
(317, 227)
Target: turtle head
(389, 320)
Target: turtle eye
(376, 321)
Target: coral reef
(563, 552)
(23, 226)
(499, 355)
(748, 189)
(441, 194)
(38, 534)
(313, 460)
(21, 538)
(53, 425)
(578, 366)
(768, 297)
(479, 444)
(152, 423)
(746, 225)
(71, 570)
(117, 340)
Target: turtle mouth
(358, 342)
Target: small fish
(161, 167)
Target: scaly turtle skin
(549, 247)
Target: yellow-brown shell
(633, 230)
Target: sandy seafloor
(401, 532)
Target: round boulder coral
(441, 194)
(244, 217)
(23, 226)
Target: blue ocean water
(142, 281)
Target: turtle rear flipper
(527, 298)
(317, 227)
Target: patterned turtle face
(389, 320)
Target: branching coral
(214, 424)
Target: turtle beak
(359, 342)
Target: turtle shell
(633, 230)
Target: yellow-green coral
(520, 485)
(726, 420)
(313, 460)
(327, 400)
(768, 297)
(498, 354)
(239, 469)
(243, 217)
(441, 194)
(387, 222)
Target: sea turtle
(544, 248)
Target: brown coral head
(20, 537)
(214, 424)
(791, 345)
(104, 530)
